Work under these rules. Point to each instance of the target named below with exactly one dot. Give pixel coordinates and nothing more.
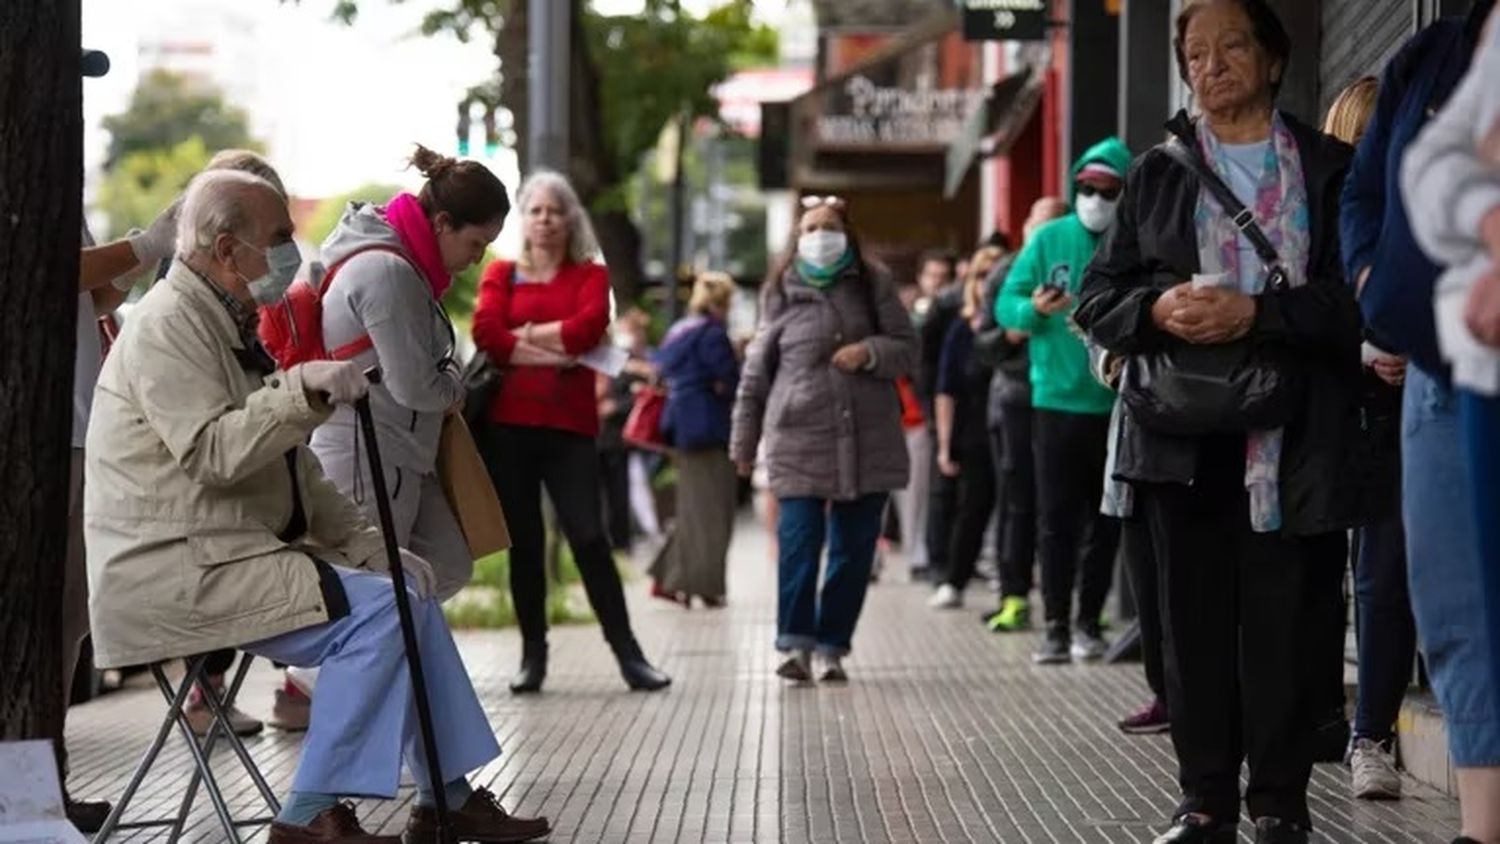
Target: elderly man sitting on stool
(210, 525)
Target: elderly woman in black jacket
(1247, 524)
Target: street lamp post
(548, 38)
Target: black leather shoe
(87, 815)
(1192, 829)
(1278, 831)
(533, 669)
(639, 674)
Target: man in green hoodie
(1072, 409)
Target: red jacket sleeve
(492, 329)
(585, 328)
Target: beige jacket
(187, 485)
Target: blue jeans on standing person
(1442, 549)
(1386, 631)
(1481, 422)
(805, 618)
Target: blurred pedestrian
(932, 493)
(1386, 631)
(1452, 182)
(1010, 439)
(1396, 284)
(818, 383)
(698, 366)
(962, 409)
(534, 317)
(1071, 420)
(1247, 525)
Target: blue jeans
(805, 619)
(1442, 549)
(1481, 421)
(1387, 632)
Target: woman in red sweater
(534, 318)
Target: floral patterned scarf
(1282, 212)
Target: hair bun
(432, 165)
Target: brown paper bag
(470, 492)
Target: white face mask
(282, 263)
(822, 248)
(1096, 213)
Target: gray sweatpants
(425, 525)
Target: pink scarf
(405, 215)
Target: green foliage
(144, 182)
(486, 601)
(166, 110)
(657, 64)
(331, 209)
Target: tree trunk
(41, 158)
(591, 166)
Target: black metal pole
(403, 608)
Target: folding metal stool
(201, 754)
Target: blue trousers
(1387, 632)
(1442, 550)
(363, 719)
(805, 619)
(1481, 421)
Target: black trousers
(942, 504)
(521, 461)
(974, 505)
(1239, 611)
(1076, 542)
(1140, 567)
(1010, 443)
(614, 476)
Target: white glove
(419, 575)
(160, 239)
(340, 381)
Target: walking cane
(403, 608)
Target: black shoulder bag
(1245, 385)
(482, 378)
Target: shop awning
(994, 126)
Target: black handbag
(1246, 385)
(482, 380)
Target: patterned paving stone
(946, 734)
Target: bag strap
(363, 343)
(1186, 153)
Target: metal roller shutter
(1359, 37)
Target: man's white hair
(583, 245)
(214, 205)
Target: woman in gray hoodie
(388, 269)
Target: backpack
(292, 329)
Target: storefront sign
(864, 114)
(1005, 20)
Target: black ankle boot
(533, 669)
(638, 673)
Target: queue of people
(1208, 361)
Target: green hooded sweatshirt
(1059, 250)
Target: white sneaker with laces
(1374, 771)
(945, 597)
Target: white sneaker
(303, 678)
(1374, 769)
(1087, 647)
(831, 669)
(945, 597)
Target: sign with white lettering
(862, 113)
(1005, 20)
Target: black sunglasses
(1110, 194)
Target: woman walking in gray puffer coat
(819, 381)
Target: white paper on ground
(605, 359)
(31, 803)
